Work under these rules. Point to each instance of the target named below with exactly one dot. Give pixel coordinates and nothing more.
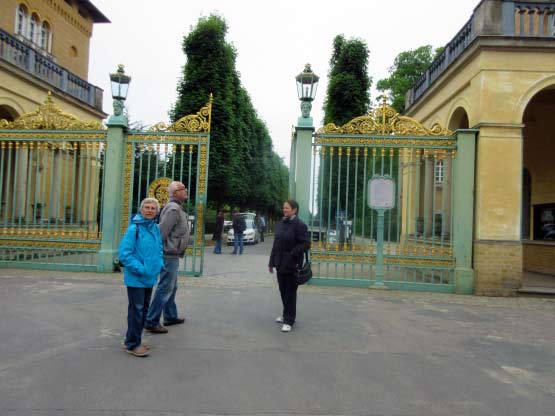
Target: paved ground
(352, 352)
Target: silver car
(251, 234)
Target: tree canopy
(405, 71)
(244, 171)
(348, 96)
(348, 93)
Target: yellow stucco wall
(69, 29)
(495, 101)
(494, 87)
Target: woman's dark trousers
(288, 290)
(139, 299)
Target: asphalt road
(352, 351)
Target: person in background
(218, 232)
(262, 228)
(291, 240)
(239, 225)
(140, 251)
(174, 228)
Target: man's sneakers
(279, 319)
(176, 321)
(140, 351)
(158, 329)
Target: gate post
(463, 210)
(112, 198)
(303, 163)
(292, 164)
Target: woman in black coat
(291, 240)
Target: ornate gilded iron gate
(61, 180)
(163, 154)
(418, 232)
(51, 168)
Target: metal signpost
(381, 197)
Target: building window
(34, 25)
(21, 20)
(45, 36)
(544, 222)
(439, 174)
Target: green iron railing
(177, 157)
(51, 187)
(418, 232)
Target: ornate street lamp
(120, 86)
(307, 83)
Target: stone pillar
(21, 191)
(463, 205)
(292, 165)
(497, 245)
(54, 197)
(303, 151)
(429, 190)
(112, 198)
(446, 196)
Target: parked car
(316, 232)
(251, 234)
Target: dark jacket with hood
(291, 240)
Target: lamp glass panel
(115, 89)
(124, 88)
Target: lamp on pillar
(307, 84)
(301, 145)
(119, 81)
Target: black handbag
(304, 273)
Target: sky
(273, 39)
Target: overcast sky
(274, 39)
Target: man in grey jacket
(175, 236)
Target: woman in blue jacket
(140, 252)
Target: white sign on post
(382, 193)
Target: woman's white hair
(150, 201)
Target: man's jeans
(164, 297)
(137, 309)
(238, 242)
(218, 247)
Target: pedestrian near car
(291, 241)
(239, 226)
(262, 228)
(174, 230)
(218, 232)
(141, 254)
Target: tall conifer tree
(243, 165)
(348, 96)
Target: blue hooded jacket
(141, 253)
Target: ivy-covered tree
(242, 161)
(405, 71)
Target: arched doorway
(459, 120)
(538, 186)
(8, 113)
